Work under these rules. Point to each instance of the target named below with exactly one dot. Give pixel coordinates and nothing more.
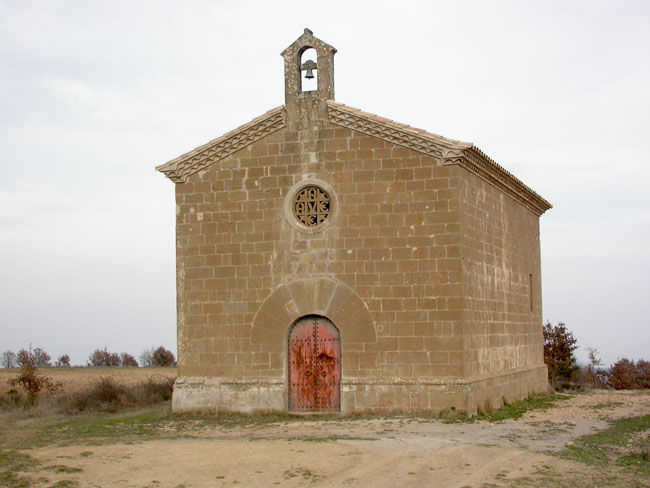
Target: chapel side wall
(501, 251)
(395, 242)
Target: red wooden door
(314, 366)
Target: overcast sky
(93, 95)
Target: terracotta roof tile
(449, 151)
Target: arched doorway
(314, 366)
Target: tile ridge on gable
(446, 151)
(485, 167)
(445, 141)
(178, 169)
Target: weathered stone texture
(395, 242)
(500, 250)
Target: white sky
(93, 95)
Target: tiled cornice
(482, 165)
(445, 151)
(179, 169)
(403, 135)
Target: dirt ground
(77, 379)
(377, 452)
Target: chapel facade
(332, 260)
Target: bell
(309, 66)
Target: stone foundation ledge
(489, 392)
(364, 395)
(454, 395)
(226, 394)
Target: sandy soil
(371, 452)
(76, 379)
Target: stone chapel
(329, 259)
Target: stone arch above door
(312, 296)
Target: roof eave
(485, 167)
(180, 168)
(447, 151)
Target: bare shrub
(126, 360)
(37, 357)
(103, 358)
(12, 399)
(146, 357)
(594, 358)
(163, 357)
(159, 357)
(591, 375)
(628, 375)
(30, 380)
(104, 395)
(8, 359)
(109, 395)
(156, 390)
(643, 373)
(559, 345)
(584, 376)
(63, 361)
(621, 374)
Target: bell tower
(304, 105)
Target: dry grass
(106, 395)
(88, 390)
(79, 379)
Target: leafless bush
(63, 361)
(8, 359)
(146, 357)
(559, 345)
(157, 389)
(628, 375)
(592, 375)
(104, 395)
(643, 373)
(30, 380)
(127, 360)
(624, 374)
(159, 357)
(163, 357)
(36, 356)
(103, 358)
(109, 395)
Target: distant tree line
(37, 357)
(104, 394)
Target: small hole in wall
(530, 291)
(308, 84)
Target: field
(582, 440)
(77, 379)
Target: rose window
(311, 206)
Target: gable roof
(180, 168)
(446, 151)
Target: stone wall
(405, 233)
(501, 281)
(395, 241)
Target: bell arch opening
(309, 70)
